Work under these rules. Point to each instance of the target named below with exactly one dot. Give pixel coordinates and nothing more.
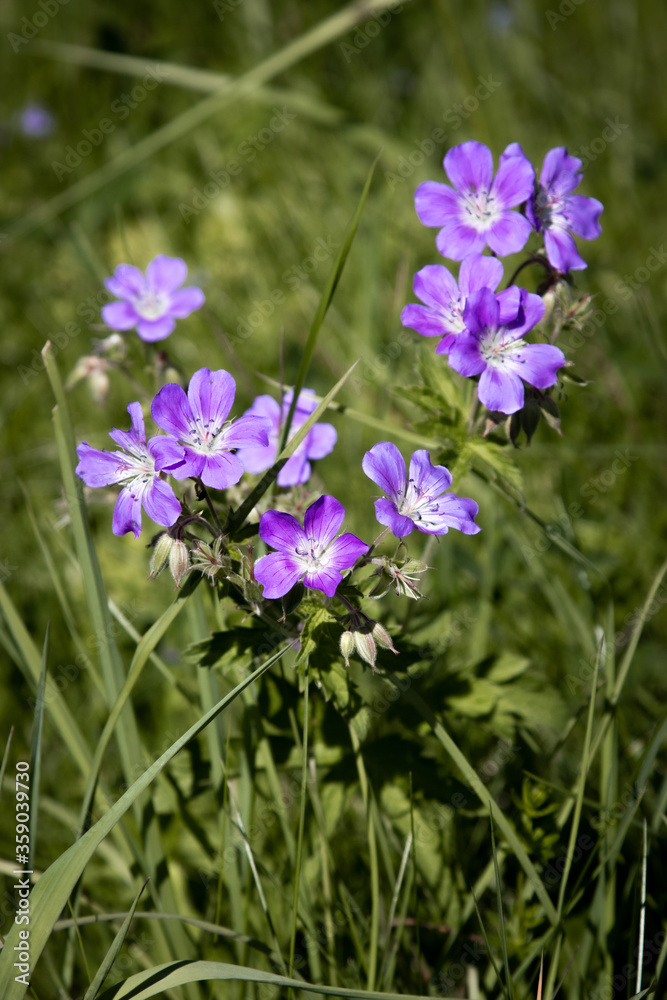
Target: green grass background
(508, 601)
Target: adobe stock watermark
(625, 289)
(454, 117)
(120, 108)
(365, 33)
(565, 9)
(610, 133)
(31, 26)
(246, 152)
(293, 277)
(222, 7)
(88, 311)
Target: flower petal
(561, 250)
(166, 274)
(185, 301)
(436, 287)
(469, 165)
(509, 233)
(426, 321)
(385, 465)
(247, 432)
(211, 395)
(127, 514)
(429, 478)
(120, 315)
(323, 578)
(514, 178)
(323, 519)
(171, 411)
(465, 355)
(386, 513)
(296, 469)
(221, 470)
(458, 512)
(540, 364)
(281, 531)
(167, 453)
(456, 240)
(582, 216)
(160, 503)
(344, 551)
(127, 281)
(151, 330)
(501, 390)
(98, 468)
(321, 440)
(436, 203)
(479, 271)
(277, 572)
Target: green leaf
(112, 953)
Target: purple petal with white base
(477, 211)
(556, 212)
(422, 501)
(442, 314)
(152, 303)
(198, 423)
(493, 348)
(310, 553)
(138, 469)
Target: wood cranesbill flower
(311, 553)
(556, 212)
(200, 432)
(417, 499)
(319, 441)
(492, 347)
(151, 303)
(444, 300)
(477, 210)
(138, 470)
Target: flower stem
(203, 495)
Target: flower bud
(347, 645)
(160, 557)
(365, 646)
(383, 638)
(179, 560)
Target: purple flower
(476, 211)
(442, 314)
(152, 303)
(138, 471)
(416, 500)
(492, 347)
(312, 553)
(317, 443)
(35, 121)
(204, 441)
(556, 212)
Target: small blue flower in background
(556, 212)
(418, 499)
(311, 553)
(138, 469)
(35, 121)
(319, 441)
(477, 211)
(492, 347)
(202, 440)
(152, 303)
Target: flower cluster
(482, 330)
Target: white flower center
(151, 304)
(478, 209)
(497, 347)
(138, 469)
(550, 208)
(206, 437)
(310, 554)
(416, 503)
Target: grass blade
(112, 953)
(54, 887)
(325, 302)
(36, 752)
